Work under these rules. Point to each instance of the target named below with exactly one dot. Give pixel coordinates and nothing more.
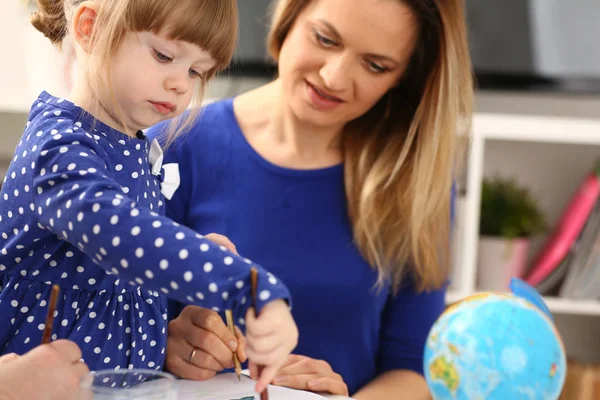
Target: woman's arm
(406, 321)
(395, 384)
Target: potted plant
(509, 217)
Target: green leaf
(509, 210)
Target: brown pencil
(236, 362)
(254, 282)
(50, 315)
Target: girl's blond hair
(210, 24)
(400, 157)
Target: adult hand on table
(305, 373)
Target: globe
(495, 346)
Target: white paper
(227, 387)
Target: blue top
(294, 222)
(81, 208)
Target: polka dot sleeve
(77, 199)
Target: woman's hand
(199, 344)
(305, 373)
(203, 330)
(222, 240)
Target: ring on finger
(192, 354)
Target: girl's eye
(194, 74)
(324, 40)
(162, 57)
(374, 67)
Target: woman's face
(341, 56)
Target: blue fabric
(80, 208)
(294, 222)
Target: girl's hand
(271, 337)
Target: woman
(336, 177)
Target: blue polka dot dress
(81, 207)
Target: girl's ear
(82, 27)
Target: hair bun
(50, 19)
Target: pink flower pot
(499, 260)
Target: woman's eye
(324, 40)
(162, 57)
(194, 74)
(377, 68)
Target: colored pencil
(50, 315)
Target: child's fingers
(250, 317)
(253, 370)
(261, 326)
(265, 378)
(275, 356)
(262, 345)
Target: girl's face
(341, 56)
(154, 78)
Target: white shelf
(550, 129)
(555, 304)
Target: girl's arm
(78, 199)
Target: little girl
(81, 204)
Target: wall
(557, 26)
(489, 36)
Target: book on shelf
(559, 253)
(584, 261)
(552, 283)
(576, 240)
(587, 283)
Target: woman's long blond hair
(210, 24)
(399, 175)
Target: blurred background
(531, 172)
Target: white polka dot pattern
(67, 219)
